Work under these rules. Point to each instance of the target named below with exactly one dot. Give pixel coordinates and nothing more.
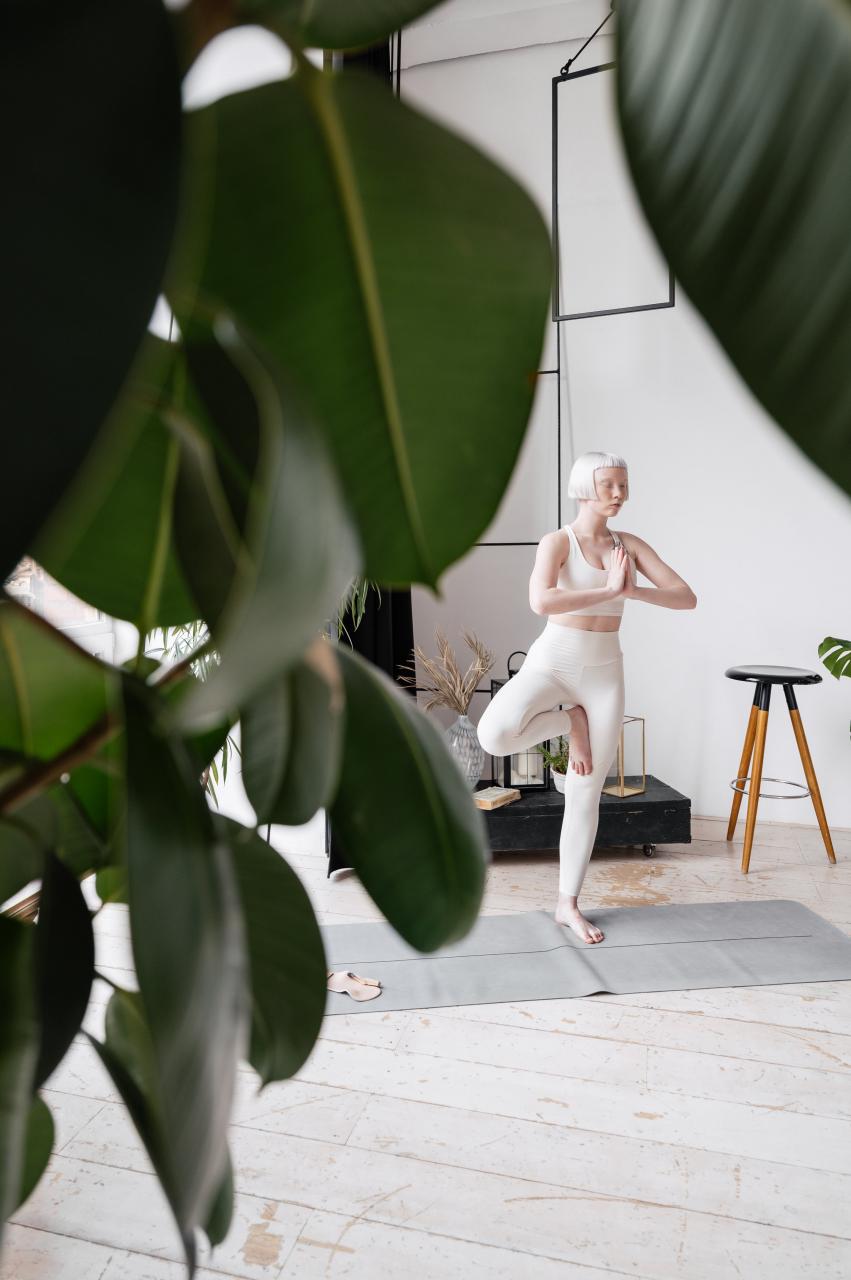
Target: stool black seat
(773, 675)
(764, 676)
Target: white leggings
(576, 668)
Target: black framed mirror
(606, 259)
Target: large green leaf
(287, 958)
(324, 24)
(189, 951)
(109, 539)
(18, 1054)
(302, 550)
(404, 813)
(130, 1058)
(225, 402)
(21, 856)
(64, 964)
(336, 24)
(291, 735)
(207, 743)
(204, 530)
(218, 464)
(266, 735)
(51, 822)
(111, 884)
(737, 125)
(38, 1148)
(51, 691)
(220, 1216)
(158, 509)
(400, 277)
(99, 790)
(80, 846)
(95, 787)
(91, 95)
(52, 694)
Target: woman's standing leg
(601, 692)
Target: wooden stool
(765, 677)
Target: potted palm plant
(557, 760)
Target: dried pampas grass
(450, 687)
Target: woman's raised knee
(493, 736)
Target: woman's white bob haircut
(581, 483)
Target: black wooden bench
(658, 815)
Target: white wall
(717, 488)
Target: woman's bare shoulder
(555, 540)
(553, 548)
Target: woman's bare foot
(568, 913)
(580, 742)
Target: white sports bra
(576, 574)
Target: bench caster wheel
(649, 850)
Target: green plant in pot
(557, 760)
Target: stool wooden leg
(809, 771)
(744, 765)
(756, 773)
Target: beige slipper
(353, 984)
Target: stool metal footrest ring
(783, 795)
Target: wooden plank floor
(675, 1134)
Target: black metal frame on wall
(608, 311)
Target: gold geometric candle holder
(623, 783)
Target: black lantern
(525, 770)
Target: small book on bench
(493, 797)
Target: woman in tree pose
(583, 573)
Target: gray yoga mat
(527, 956)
